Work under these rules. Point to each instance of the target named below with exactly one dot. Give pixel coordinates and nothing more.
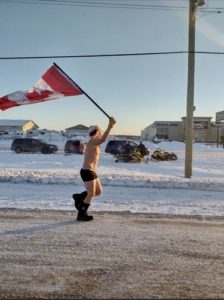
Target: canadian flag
(53, 84)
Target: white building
(163, 129)
(13, 127)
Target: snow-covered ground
(48, 181)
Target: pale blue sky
(135, 90)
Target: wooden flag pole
(100, 108)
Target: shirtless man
(88, 172)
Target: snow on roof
(13, 122)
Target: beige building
(78, 130)
(204, 130)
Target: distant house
(78, 130)
(16, 125)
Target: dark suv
(117, 146)
(32, 145)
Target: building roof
(78, 127)
(167, 122)
(6, 122)
(195, 118)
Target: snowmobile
(132, 157)
(163, 155)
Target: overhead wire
(102, 3)
(125, 3)
(167, 5)
(114, 4)
(108, 55)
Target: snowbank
(48, 181)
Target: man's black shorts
(88, 175)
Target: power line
(92, 55)
(97, 3)
(127, 4)
(109, 55)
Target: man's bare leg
(93, 188)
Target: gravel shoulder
(48, 254)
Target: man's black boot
(78, 199)
(82, 215)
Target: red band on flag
(52, 85)
(60, 82)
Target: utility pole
(193, 4)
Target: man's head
(94, 130)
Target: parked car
(118, 146)
(74, 146)
(157, 139)
(32, 145)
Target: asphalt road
(48, 254)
